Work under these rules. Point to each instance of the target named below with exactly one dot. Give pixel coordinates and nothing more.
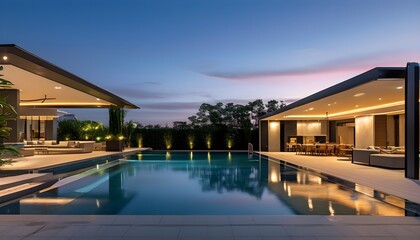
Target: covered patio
(377, 109)
(36, 88)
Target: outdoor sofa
(63, 147)
(379, 158)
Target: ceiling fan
(45, 98)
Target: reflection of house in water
(228, 178)
(309, 194)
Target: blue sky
(170, 56)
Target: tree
(257, 110)
(7, 112)
(116, 121)
(128, 130)
(180, 125)
(272, 106)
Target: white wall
(402, 130)
(390, 131)
(311, 128)
(365, 131)
(345, 134)
(274, 136)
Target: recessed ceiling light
(57, 88)
(358, 94)
(98, 99)
(335, 102)
(329, 104)
(357, 106)
(379, 99)
(310, 109)
(400, 87)
(5, 58)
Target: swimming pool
(199, 183)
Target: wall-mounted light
(358, 94)
(5, 58)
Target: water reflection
(157, 186)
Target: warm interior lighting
(400, 87)
(379, 99)
(329, 104)
(364, 189)
(57, 88)
(274, 124)
(98, 99)
(310, 205)
(46, 201)
(331, 209)
(356, 106)
(93, 104)
(358, 94)
(310, 109)
(5, 58)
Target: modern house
(377, 108)
(39, 88)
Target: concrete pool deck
(38, 162)
(157, 227)
(31, 227)
(384, 180)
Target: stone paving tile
(21, 231)
(248, 238)
(246, 231)
(88, 231)
(242, 219)
(69, 231)
(355, 238)
(112, 231)
(373, 220)
(207, 238)
(315, 231)
(195, 220)
(157, 231)
(10, 238)
(223, 231)
(45, 238)
(194, 231)
(5, 228)
(137, 220)
(49, 231)
(272, 231)
(408, 238)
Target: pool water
(200, 183)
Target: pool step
(8, 182)
(22, 185)
(22, 190)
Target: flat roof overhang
(377, 91)
(43, 84)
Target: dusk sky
(170, 56)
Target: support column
(412, 121)
(263, 136)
